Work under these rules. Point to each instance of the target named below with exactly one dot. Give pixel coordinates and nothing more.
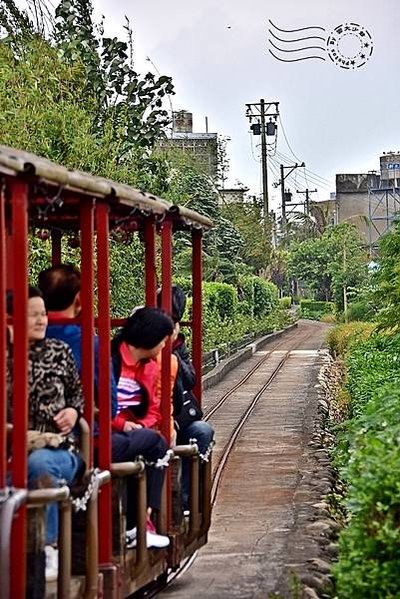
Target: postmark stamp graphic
(349, 46)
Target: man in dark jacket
(187, 414)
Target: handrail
(16, 498)
(186, 451)
(121, 469)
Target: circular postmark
(349, 46)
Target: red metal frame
(87, 313)
(197, 320)
(19, 193)
(150, 263)
(166, 399)
(55, 247)
(104, 399)
(3, 323)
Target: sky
(335, 120)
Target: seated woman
(134, 351)
(55, 404)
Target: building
(370, 200)
(230, 196)
(202, 146)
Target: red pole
(3, 322)
(87, 313)
(19, 192)
(150, 262)
(197, 321)
(166, 264)
(55, 247)
(104, 398)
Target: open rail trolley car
(93, 562)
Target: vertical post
(307, 201)
(3, 321)
(166, 396)
(197, 308)
(150, 262)
(19, 193)
(166, 303)
(104, 383)
(87, 315)
(283, 196)
(55, 247)
(264, 163)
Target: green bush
(342, 337)
(362, 310)
(285, 303)
(246, 295)
(370, 365)
(314, 309)
(220, 299)
(369, 547)
(265, 297)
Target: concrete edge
(219, 372)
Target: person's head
(147, 329)
(178, 302)
(61, 287)
(37, 315)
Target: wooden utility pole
(290, 168)
(257, 112)
(307, 200)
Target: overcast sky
(336, 120)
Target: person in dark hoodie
(187, 415)
(60, 286)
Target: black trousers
(152, 446)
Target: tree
(387, 280)
(256, 247)
(122, 112)
(332, 263)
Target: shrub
(362, 310)
(314, 309)
(221, 299)
(369, 546)
(246, 295)
(285, 302)
(342, 337)
(371, 365)
(265, 297)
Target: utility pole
(290, 168)
(258, 112)
(264, 160)
(307, 200)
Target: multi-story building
(202, 146)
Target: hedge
(315, 309)
(369, 547)
(342, 337)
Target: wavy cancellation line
(295, 30)
(292, 47)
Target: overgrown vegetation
(367, 453)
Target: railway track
(293, 340)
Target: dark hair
(32, 292)
(146, 328)
(60, 285)
(178, 302)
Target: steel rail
(237, 430)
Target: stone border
(219, 372)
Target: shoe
(153, 539)
(51, 573)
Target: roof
(124, 200)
